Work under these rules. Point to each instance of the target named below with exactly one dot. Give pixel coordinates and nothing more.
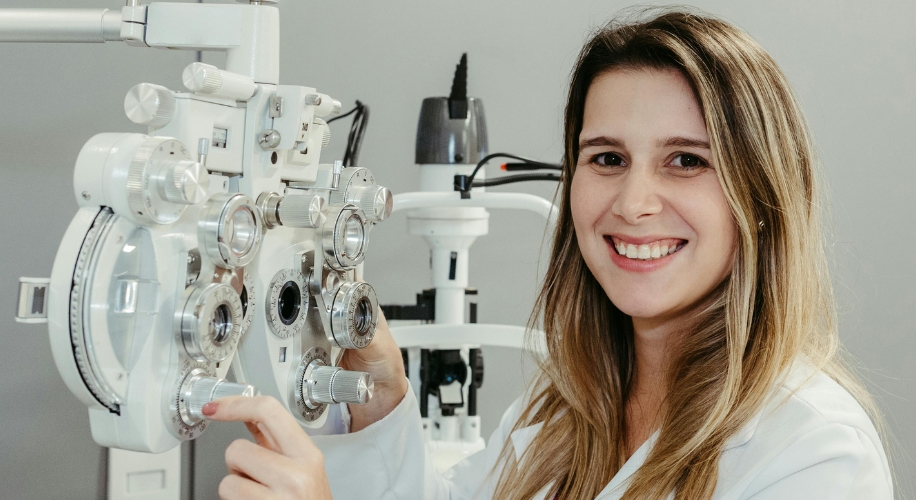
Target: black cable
(489, 157)
(357, 131)
(509, 179)
(360, 114)
(464, 183)
(338, 117)
(517, 166)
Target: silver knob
(332, 385)
(186, 182)
(199, 390)
(376, 202)
(269, 139)
(302, 211)
(148, 104)
(202, 78)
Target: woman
(687, 308)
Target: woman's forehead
(642, 105)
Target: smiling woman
(688, 311)
(709, 370)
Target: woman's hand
(284, 464)
(382, 359)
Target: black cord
(357, 131)
(509, 179)
(360, 114)
(338, 117)
(464, 183)
(517, 166)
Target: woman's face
(650, 215)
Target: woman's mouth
(646, 251)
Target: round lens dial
(354, 315)
(287, 302)
(211, 322)
(231, 230)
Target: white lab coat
(813, 441)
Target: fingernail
(209, 409)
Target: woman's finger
(277, 472)
(276, 425)
(234, 487)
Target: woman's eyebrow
(683, 142)
(602, 140)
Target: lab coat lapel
(521, 439)
(618, 485)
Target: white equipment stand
(450, 224)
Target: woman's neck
(645, 404)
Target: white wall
(853, 65)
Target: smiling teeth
(645, 252)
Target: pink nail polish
(209, 409)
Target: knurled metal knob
(202, 78)
(148, 104)
(376, 202)
(332, 385)
(186, 182)
(302, 211)
(200, 390)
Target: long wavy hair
(775, 306)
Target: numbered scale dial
(211, 321)
(287, 302)
(309, 410)
(183, 427)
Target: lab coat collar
(522, 438)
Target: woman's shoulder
(809, 399)
(812, 431)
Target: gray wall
(852, 63)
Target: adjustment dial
(305, 211)
(211, 322)
(287, 302)
(333, 385)
(148, 104)
(162, 180)
(184, 182)
(198, 389)
(354, 315)
(375, 201)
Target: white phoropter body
(215, 245)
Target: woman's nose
(637, 196)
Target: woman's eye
(608, 160)
(688, 161)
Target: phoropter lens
(353, 236)
(221, 324)
(289, 302)
(241, 230)
(363, 316)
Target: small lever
(33, 300)
(203, 149)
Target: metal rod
(60, 25)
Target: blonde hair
(776, 305)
